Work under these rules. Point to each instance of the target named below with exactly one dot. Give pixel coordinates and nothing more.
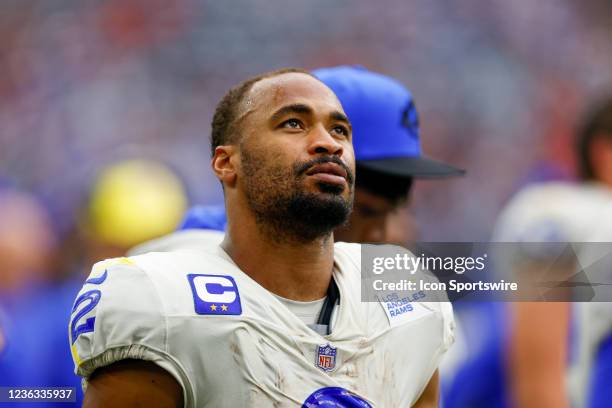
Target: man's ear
(224, 164)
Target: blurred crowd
(105, 110)
(499, 86)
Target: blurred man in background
(27, 241)
(539, 342)
(33, 297)
(40, 272)
(388, 152)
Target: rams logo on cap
(410, 119)
(215, 294)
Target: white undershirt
(308, 312)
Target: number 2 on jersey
(91, 296)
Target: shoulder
(545, 196)
(117, 305)
(346, 251)
(349, 258)
(360, 256)
(191, 239)
(121, 312)
(546, 212)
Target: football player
(213, 327)
(567, 212)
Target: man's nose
(322, 142)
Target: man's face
(296, 157)
(376, 219)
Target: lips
(331, 169)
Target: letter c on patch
(215, 289)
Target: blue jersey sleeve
(600, 393)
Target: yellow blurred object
(134, 201)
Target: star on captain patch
(326, 357)
(213, 307)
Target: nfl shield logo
(326, 357)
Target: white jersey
(553, 212)
(231, 343)
(573, 213)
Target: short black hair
(598, 123)
(225, 119)
(392, 187)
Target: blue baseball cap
(385, 123)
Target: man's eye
(292, 124)
(341, 130)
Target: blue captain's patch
(215, 294)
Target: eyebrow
(294, 108)
(340, 117)
(300, 108)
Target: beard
(283, 209)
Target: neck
(288, 268)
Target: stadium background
(499, 86)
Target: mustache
(301, 168)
